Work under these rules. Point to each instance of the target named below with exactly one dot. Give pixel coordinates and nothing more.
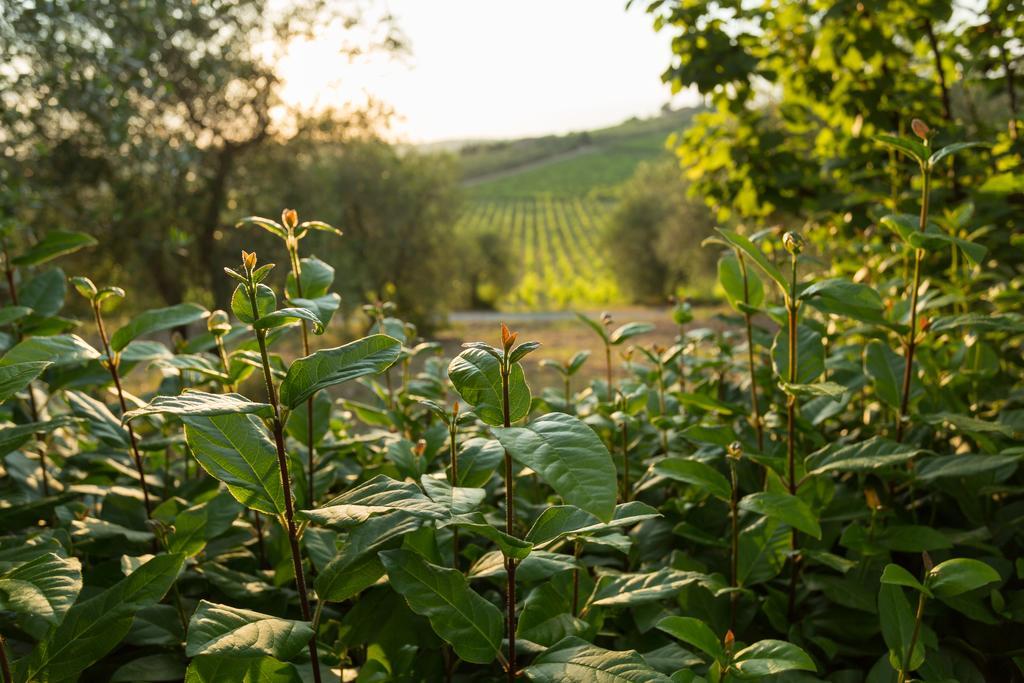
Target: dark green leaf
(16, 376)
(569, 456)
(156, 320)
(470, 624)
(785, 508)
(704, 477)
(193, 403)
(476, 375)
(573, 659)
(223, 630)
(322, 369)
(54, 244)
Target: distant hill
(571, 165)
(550, 198)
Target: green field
(556, 243)
(551, 197)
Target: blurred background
(531, 158)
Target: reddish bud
(920, 129)
(290, 218)
(508, 338)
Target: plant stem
(792, 311)
(510, 563)
(734, 501)
(758, 426)
(608, 369)
(576, 551)
(224, 362)
(282, 463)
(911, 341)
(32, 407)
(626, 489)
(4, 664)
(453, 455)
(568, 395)
(293, 254)
(259, 540)
(115, 375)
(905, 665)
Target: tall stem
(911, 340)
(792, 311)
(5, 666)
(905, 664)
(608, 369)
(223, 354)
(626, 488)
(282, 463)
(453, 456)
(115, 375)
(293, 254)
(510, 563)
(32, 407)
(758, 426)
(735, 546)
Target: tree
(655, 233)
(130, 120)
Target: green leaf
(569, 456)
(730, 276)
(267, 224)
(895, 575)
(696, 473)
(628, 331)
(156, 320)
(769, 657)
(45, 292)
(10, 314)
(785, 508)
(284, 316)
(356, 566)
(12, 438)
(885, 368)
(94, 627)
(379, 496)
(574, 659)
(477, 377)
(960, 575)
(195, 526)
(236, 449)
(16, 376)
(913, 149)
(103, 424)
(944, 152)
(560, 521)
(241, 305)
(594, 325)
(61, 350)
(510, 546)
(217, 669)
(817, 390)
(694, 632)
(468, 622)
(810, 355)
(620, 590)
(317, 278)
(897, 621)
(322, 369)
(193, 403)
(963, 465)
(43, 587)
(863, 456)
(749, 250)
(839, 296)
(223, 630)
(54, 244)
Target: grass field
(551, 197)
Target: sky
(496, 69)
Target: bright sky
(496, 69)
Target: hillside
(571, 165)
(550, 197)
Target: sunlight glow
(489, 69)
